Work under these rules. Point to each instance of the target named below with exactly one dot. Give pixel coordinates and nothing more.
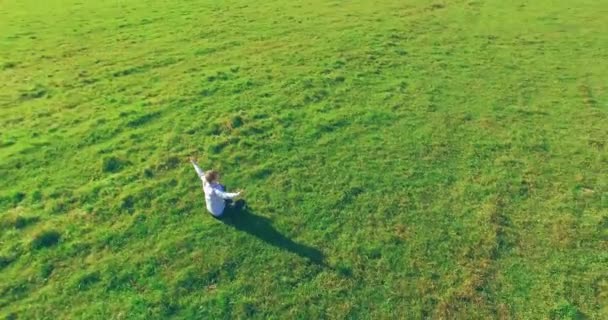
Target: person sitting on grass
(216, 197)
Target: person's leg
(233, 209)
(239, 205)
(228, 214)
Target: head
(212, 176)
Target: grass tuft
(113, 164)
(45, 239)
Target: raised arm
(199, 171)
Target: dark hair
(211, 175)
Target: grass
(417, 159)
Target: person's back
(215, 195)
(215, 198)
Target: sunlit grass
(409, 159)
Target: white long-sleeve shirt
(215, 198)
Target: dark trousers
(232, 209)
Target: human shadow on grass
(240, 217)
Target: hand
(240, 192)
(192, 159)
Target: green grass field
(414, 159)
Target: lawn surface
(402, 159)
